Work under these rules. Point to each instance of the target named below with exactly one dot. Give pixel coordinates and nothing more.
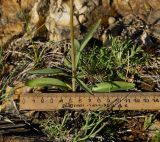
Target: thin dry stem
(72, 46)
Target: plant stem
(72, 46)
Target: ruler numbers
(116, 101)
(98, 100)
(156, 100)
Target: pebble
(111, 20)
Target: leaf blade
(84, 86)
(42, 82)
(89, 35)
(47, 71)
(113, 86)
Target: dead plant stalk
(72, 45)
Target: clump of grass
(91, 124)
(119, 61)
(56, 129)
(82, 126)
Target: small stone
(111, 20)
(78, 4)
(27, 89)
(83, 10)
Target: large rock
(125, 7)
(57, 20)
(14, 15)
(49, 19)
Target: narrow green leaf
(84, 86)
(77, 51)
(76, 45)
(67, 62)
(113, 86)
(89, 35)
(40, 82)
(47, 71)
(86, 39)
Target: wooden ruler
(101, 101)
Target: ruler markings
(115, 101)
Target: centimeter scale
(98, 101)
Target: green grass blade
(89, 35)
(84, 86)
(67, 62)
(41, 82)
(77, 51)
(48, 71)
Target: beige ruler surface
(103, 101)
